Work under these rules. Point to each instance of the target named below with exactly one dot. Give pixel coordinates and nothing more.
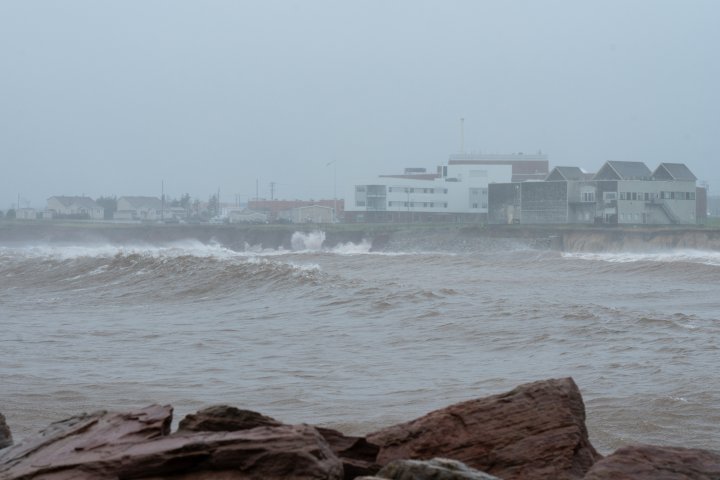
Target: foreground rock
(536, 431)
(652, 462)
(357, 455)
(136, 445)
(223, 418)
(5, 435)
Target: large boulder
(640, 462)
(137, 446)
(536, 431)
(358, 456)
(5, 435)
(223, 418)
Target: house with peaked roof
(138, 208)
(619, 193)
(74, 208)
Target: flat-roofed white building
(455, 192)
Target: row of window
(417, 190)
(654, 195)
(418, 204)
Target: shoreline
(566, 238)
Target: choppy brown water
(359, 340)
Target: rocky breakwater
(536, 431)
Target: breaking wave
(704, 257)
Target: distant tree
(2, 214)
(11, 213)
(214, 206)
(185, 201)
(109, 204)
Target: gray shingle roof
(674, 171)
(567, 173)
(85, 202)
(613, 170)
(147, 202)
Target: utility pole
(462, 135)
(272, 190)
(334, 164)
(162, 200)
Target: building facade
(456, 192)
(74, 208)
(620, 193)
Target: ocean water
(357, 339)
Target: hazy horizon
(113, 98)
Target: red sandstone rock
(223, 418)
(536, 431)
(358, 456)
(136, 446)
(641, 462)
(5, 435)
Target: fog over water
(112, 98)
(358, 339)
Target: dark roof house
(673, 171)
(613, 170)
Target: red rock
(536, 431)
(136, 446)
(223, 418)
(640, 462)
(358, 456)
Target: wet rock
(535, 431)
(357, 454)
(640, 462)
(136, 445)
(223, 418)
(435, 469)
(5, 435)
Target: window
(622, 196)
(360, 188)
(360, 203)
(475, 205)
(692, 195)
(647, 196)
(608, 196)
(588, 196)
(634, 195)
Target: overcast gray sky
(112, 98)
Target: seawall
(453, 237)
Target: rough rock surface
(136, 445)
(536, 431)
(435, 469)
(223, 418)
(640, 462)
(358, 456)
(5, 435)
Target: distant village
(469, 188)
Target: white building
(146, 209)
(312, 214)
(456, 192)
(246, 216)
(75, 207)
